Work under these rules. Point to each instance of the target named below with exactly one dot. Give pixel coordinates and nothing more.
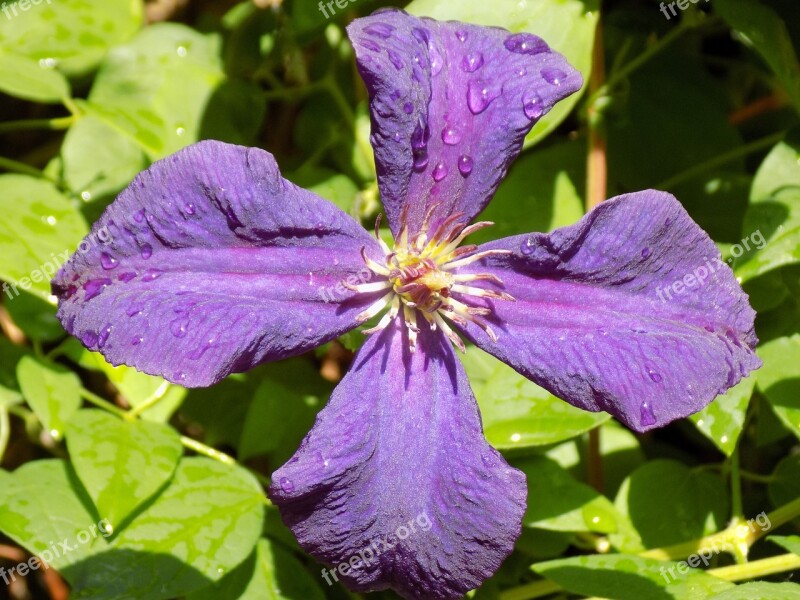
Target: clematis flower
(218, 264)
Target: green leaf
(30, 80)
(722, 421)
(332, 186)
(668, 503)
(765, 31)
(10, 356)
(37, 236)
(203, 525)
(516, 412)
(43, 508)
(566, 25)
(772, 221)
(270, 573)
(121, 463)
(52, 391)
(35, 317)
(627, 577)
(93, 179)
(556, 501)
(761, 590)
(540, 193)
(779, 379)
(156, 88)
(73, 35)
(784, 485)
(283, 410)
(789, 542)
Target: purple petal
(213, 264)
(451, 104)
(599, 321)
(400, 445)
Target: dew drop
(134, 309)
(465, 165)
(472, 62)
(437, 62)
(646, 252)
(370, 45)
(421, 162)
(421, 35)
(89, 339)
(394, 57)
(93, 287)
(647, 418)
(654, 376)
(533, 106)
(528, 246)
(126, 277)
(179, 327)
(152, 275)
(138, 216)
(179, 131)
(450, 136)
(381, 30)
(522, 71)
(146, 251)
(439, 172)
(286, 485)
(408, 108)
(86, 196)
(553, 76)
(103, 337)
(479, 96)
(189, 208)
(709, 328)
(181, 51)
(108, 262)
(526, 43)
(197, 353)
(462, 36)
(137, 340)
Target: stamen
(475, 257)
(375, 308)
(466, 310)
(466, 232)
(457, 341)
(386, 319)
(477, 277)
(365, 288)
(384, 246)
(408, 313)
(372, 265)
(481, 292)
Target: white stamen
(472, 258)
(366, 288)
(375, 308)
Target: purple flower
(218, 264)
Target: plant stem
(58, 124)
(5, 430)
(720, 160)
(18, 167)
(102, 403)
(736, 486)
(150, 402)
(207, 451)
(596, 162)
(757, 568)
(537, 589)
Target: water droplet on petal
(465, 164)
(462, 36)
(450, 136)
(421, 162)
(189, 208)
(103, 337)
(646, 252)
(528, 246)
(656, 377)
(381, 30)
(137, 340)
(526, 43)
(533, 106)
(439, 172)
(370, 45)
(286, 485)
(134, 309)
(93, 287)
(146, 251)
(89, 339)
(480, 96)
(197, 353)
(152, 275)
(138, 216)
(472, 62)
(437, 62)
(647, 418)
(179, 327)
(709, 328)
(408, 108)
(421, 35)
(553, 76)
(126, 277)
(107, 261)
(394, 57)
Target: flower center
(419, 277)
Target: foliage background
(704, 104)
